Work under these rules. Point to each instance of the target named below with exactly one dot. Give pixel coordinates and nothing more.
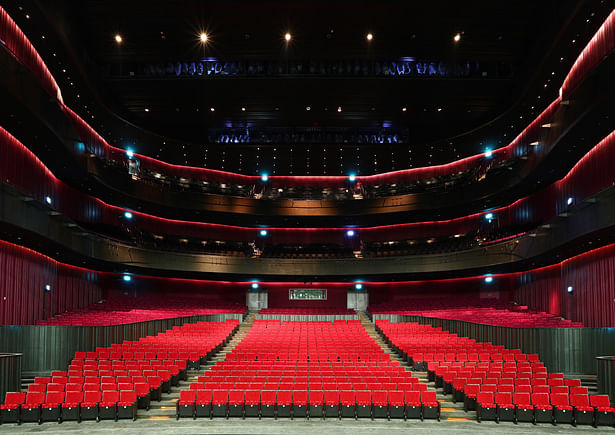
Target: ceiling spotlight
(203, 37)
(263, 233)
(488, 153)
(570, 289)
(48, 200)
(369, 36)
(489, 216)
(264, 178)
(358, 286)
(127, 278)
(287, 37)
(352, 177)
(118, 38)
(213, 109)
(488, 279)
(243, 109)
(403, 109)
(308, 108)
(339, 108)
(128, 215)
(350, 233)
(255, 285)
(147, 110)
(570, 200)
(457, 37)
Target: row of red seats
(94, 388)
(299, 387)
(545, 395)
(476, 311)
(121, 310)
(309, 311)
(301, 403)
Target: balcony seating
(473, 310)
(122, 310)
(501, 384)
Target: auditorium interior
(297, 217)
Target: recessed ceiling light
(439, 109)
(457, 37)
(403, 109)
(339, 109)
(147, 110)
(213, 109)
(203, 37)
(308, 108)
(118, 38)
(243, 109)
(287, 36)
(369, 36)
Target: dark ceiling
(504, 42)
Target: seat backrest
(347, 397)
(300, 397)
(283, 397)
(471, 388)
(91, 396)
(203, 396)
(73, 397)
(579, 400)
(578, 390)
(110, 396)
(540, 399)
(559, 390)
(521, 398)
(187, 395)
(332, 397)
(380, 397)
(506, 388)
(55, 397)
(253, 397)
(220, 397)
(503, 397)
(540, 389)
(128, 396)
(236, 397)
(599, 400)
(142, 388)
(364, 397)
(523, 388)
(41, 388)
(35, 398)
(559, 399)
(14, 398)
(428, 396)
(125, 387)
(484, 397)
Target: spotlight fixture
(213, 109)
(127, 278)
(48, 200)
(243, 109)
(130, 153)
(369, 36)
(488, 279)
(118, 38)
(203, 37)
(358, 286)
(308, 108)
(488, 153)
(489, 216)
(47, 287)
(264, 178)
(352, 178)
(403, 109)
(350, 233)
(287, 37)
(570, 289)
(339, 108)
(263, 233)
(570, 200)
(254, 285)
(457, 37)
